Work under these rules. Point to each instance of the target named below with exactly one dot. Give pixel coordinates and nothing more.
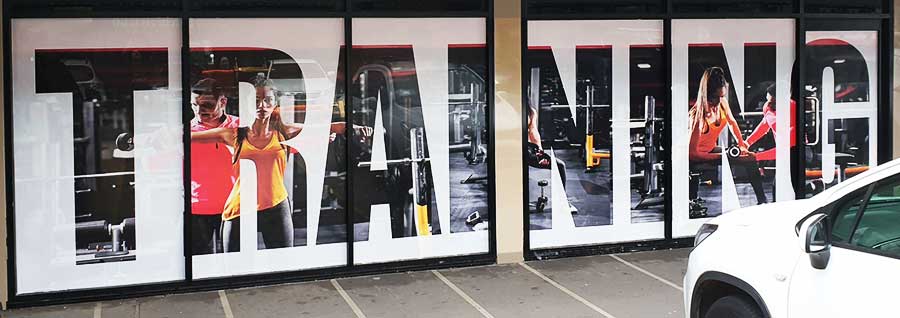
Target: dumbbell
(542, 200)
(125, 142)
(733, 152)
(473, 218)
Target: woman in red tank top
(710, 114)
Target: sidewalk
(627, 285)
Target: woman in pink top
(769, 123)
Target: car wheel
(734, 306)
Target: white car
(834, 255)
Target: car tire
(734, 306)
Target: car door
(862, 278)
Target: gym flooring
(593, 286)
(589, 192)
(465, 197)
(712, 194)
(468, 194)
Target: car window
(879, 226)
(844, 216)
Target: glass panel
(594, 6)
(843, 6)
(841, 126)
(415, 5)
(267, 147)
(844, 217)
(879, 227)
(595, 129)
(317, 5)
(732, 93)
(95, 5)
(420, 184)
(742, 6)
(97, 153)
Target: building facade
(168, 146)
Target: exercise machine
(467, 127)
(115, 250)
(650, 164)
(592, 156)
(542, 200)
(107, 242)
(418, 213)
(467, 120)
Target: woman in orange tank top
(708, 117)
(262, 143)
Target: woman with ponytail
(711, 114)
(262, 143)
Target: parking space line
(225, 305)
(350, 302)
(648, 273)
(98, 310)
(567, 291)
(462, 294)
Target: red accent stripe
(705, 45)
(384, 46)
(468, 46)
(828, 42)
(403, 73)
(104, 50)
(227, 48)
(647, 46)
(594, 47)
(847, 91)
(750, 44)
(635, 46)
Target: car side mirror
(816, 240)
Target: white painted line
(350, 302)
(98, 310)
(462, 294)
(225, 305)
(663, 280)
(567, 291)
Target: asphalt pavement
(646, 284)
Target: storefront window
(733, 6)
(267, 146)
(537, 7)
(419, 179)
(317, 5)
(595, 127)
(87, 6)
(731, 89)
(97, 152)
(415, 5)
(842, 6)
(840, 105)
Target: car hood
(769, 215)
